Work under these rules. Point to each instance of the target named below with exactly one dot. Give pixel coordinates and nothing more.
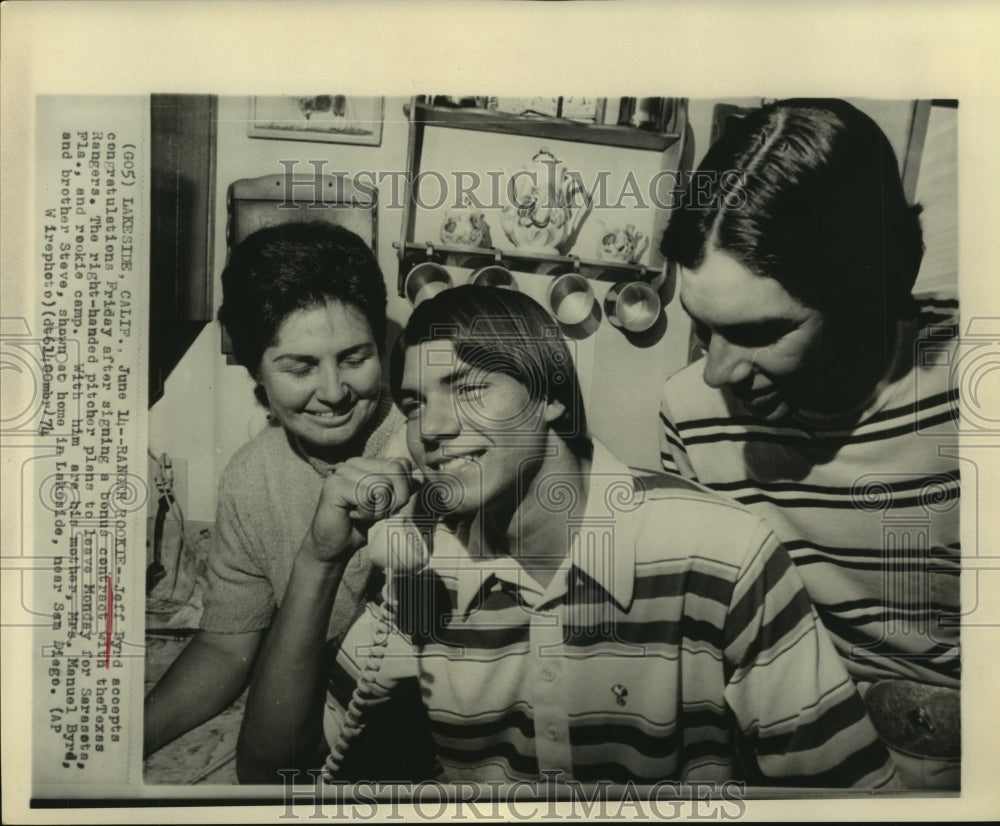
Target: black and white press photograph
(494, 449)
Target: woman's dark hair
(278, 270)
(502, 331)
(807, 192)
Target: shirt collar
(611, 496)
(611, 493)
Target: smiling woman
(322, 376)
(304, 305)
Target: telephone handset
(397, 545)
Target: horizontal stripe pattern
(652, 689)
(893, 423)
(869, 514)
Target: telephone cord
(353, 723)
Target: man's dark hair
(502, 331)
(807, 192)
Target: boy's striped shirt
(676, 642)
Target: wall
(208, 410)
(937, 191)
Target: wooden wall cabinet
(670, 142)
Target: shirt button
(548, 675)
(553, 733)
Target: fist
(359, 492)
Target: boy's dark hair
(807, 192)
(502, 331)
(278, 270)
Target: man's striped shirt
(869, 512)
(675, 643)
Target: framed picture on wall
(326, 118)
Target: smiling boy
(566, 615)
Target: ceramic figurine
(548, 206)
(622, 244)
(466, 226)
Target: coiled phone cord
(353, 724)
(361, 698)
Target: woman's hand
(359, 492)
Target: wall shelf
(472, 258)
(485, 120)
(669, 145)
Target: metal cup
(426, 280)
(633, 306)
(571, 299)
(493, 275)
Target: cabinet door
(182, 197)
